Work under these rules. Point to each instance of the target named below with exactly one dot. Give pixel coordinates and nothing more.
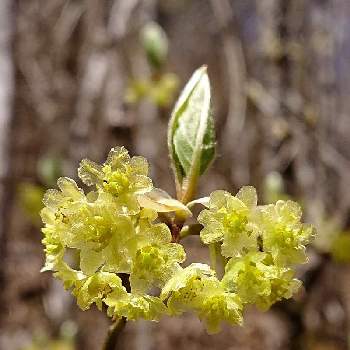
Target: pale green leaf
(203, 201)
(161, 202)
(191, 136)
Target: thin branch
(120, 16)
(113, 335)
(268, 104)
(236, 68)
(6, 125)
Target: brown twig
(236, 67)
(113, 335)
(236, 72)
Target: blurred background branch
(279, 70)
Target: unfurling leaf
(161, 202)
(191, 135)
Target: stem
(113, 334)
(165, 218)
(212, 251)
(175, 232)
(217, 260)
(190, 186)
(222, 264)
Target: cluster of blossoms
(261, 245)
(94, 240)
(109, 234)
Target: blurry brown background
(280, 74)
